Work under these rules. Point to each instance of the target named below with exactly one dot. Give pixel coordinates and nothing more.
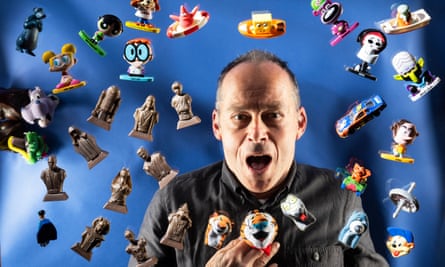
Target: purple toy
(41, 107)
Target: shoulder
(309, 173)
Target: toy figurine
(107, 25)
(106, 107)
(187, 22)
(92, 237)
(262, 25)
(156, 165)
(329, 13)
(294, 208)
(137, 53)
(137, 249)
(219, 226)
(404, 133)
(405, 20)
(40, 109)
(144, 12)
(85, 144)
(372, 42)
(28, 38)
(404, 200)
(259, 230)
(357, 224)
(32, 146)
(179, 222)
(53, 178)
(46, 231)
(182, 103)
(400, 241)
(145, 118)
(120, 189)
(355, 176)
(419, 82)
(62, 63)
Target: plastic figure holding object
(92, 237)
(156, 165)
(262, 25)
(144, 12)
(32, 147)
(62, 63)
(329, 13)
(372, 42)
(40, 109)
(28, 38)
(355, 177)
(53, 178)
(404, 133)
(259, 230)
(294, 208)
(408, 69)
(220, 225)
(145, 118)
(46, 231)
(137, 53)
(400, 242)
(120, 189)
(136, 248)
(179, 222)
(107, 25)
(405, 20)
(85, 144)
(404, 200)
(182, 103)
(187, 22)
(354, 228)
(106, 107)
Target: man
(258, 117)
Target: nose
(257, 130)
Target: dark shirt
(215, 188)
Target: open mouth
(258, 163)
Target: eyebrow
(263, 106)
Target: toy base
(148, 263)
(166, 179)
(136, 78)
(362, 73)
(142, 27)
(186, 123)
(69, 87)
(420, 19)
(279, 29)
(171, 243)
(425, 90)
(144, 136)
(340, 37)
(390, 156)
(102, 155)
(116, 207)
(87, 255)
(100, 123)
(56, 197)
(87, 39)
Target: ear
(215, 125)
(302, 122)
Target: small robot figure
(218, 228)
(28, 38)
(62, 63)
(92, 237)
(187, 22)
(294, 208)
(400, 241)
(259, 230)
(182, 103)
(40, 109)
(404, 20)
(404, 200)
(53, 178)
(120, 189)
(354, 229)
(156, 165)
(107, 25)
(144, 13)
(32, 146)
(404, 133)
(137, 53)
(145, 118)
(372, 42)
(262, 25)
(355, 177)
(419, 82)
(46, 231)
(179, 222)
(136, 248)
(85, 144)
(106, 107)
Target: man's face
(258, 122)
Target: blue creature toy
(27, 40)
(354, 228)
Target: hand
(238, 253)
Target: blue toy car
(354, 228)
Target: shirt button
(316, 256)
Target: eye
(57, 62)
(66, 59)
(271, 117)
(103, 26)
(357, 227)
(240, 117)
(143, 52)
(130, 52)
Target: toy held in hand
(259, 230)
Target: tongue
(258, 165)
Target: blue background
(196, 60)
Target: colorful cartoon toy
(28, 38)
(106, 107)
(220, 225)
(187, 22)
(359, 114)
(404, 133)
(419, 82)
(32, 147)
(262, 25)
(85, 144)
(182, 103)
(294, 208)
(355, 176)
(53, 178)
(405, 20)
(404, 200)
(40, 109)
(121, 187)
(400, 241)
(259, 230)
(137, 53)
(329, 13)
(46, 231)
(107, 25)
(179, 222)
(145, 118)
(137, 249)
(62, 63)
(144, 13)
(357, 224)
(372, 42)
(156, 165)
(92, 237)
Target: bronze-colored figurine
(156, 165)
(137, 249)
(120, 189)
(145, 118)
(85, 144)
(53, 178)
(179, 222)
(106, 107)
(92, 237)
(182, 103)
